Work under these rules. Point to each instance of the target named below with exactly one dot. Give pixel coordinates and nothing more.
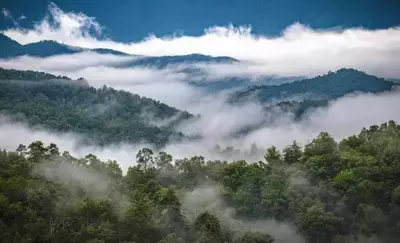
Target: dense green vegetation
(331, 192)
(330, 86)
(103, 116)
(13, 74)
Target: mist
(207, 198)
(341, 118)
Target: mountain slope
(47, 48)
(10, 48)
(163, 61)
(13, 74)
(103, 115)
(330, 86)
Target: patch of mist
(207, 198)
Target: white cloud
(299, 50)
(7, 15)
(343, 117)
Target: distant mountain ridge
(163, 61)
(10, 48)
(324, 87)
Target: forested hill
(13, 74)
(330, 86)
(103, 116)
(324, 192)
(10, 48)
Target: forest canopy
(104, 116)
(329, 86)
(325, 191)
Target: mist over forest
(224, 137)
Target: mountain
(47, 48)
(10, 48)
(237, 83)
(163, 61)
(104, 115)
(329, 86)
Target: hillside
(10, 48)
(103, 115)
(163, 61)
(324, 192)
(13, 74)
(329, 86)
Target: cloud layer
(299, 50)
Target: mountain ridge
(10, 48)
(328, 86)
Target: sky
(133, 20)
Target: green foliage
(273, 155)
(329, 86)
(12, 74)
(103, 116)
(329, 192)
(254, 237)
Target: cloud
(219, 121)
(343, 117)
(298, 51)
(7, 15)
(60, 26)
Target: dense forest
(104, 115)
(329, 86)
(13, 74)
(325, 191)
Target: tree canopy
(103, 116)
(327, 191)
(324, 87)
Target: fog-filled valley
(225, 137)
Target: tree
(292, 154)
(322, 157)
(254, 237)
(145, 158)
(171, 238)
(273, 155)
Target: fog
(207, 199)
(343, 117)
(298, 51)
